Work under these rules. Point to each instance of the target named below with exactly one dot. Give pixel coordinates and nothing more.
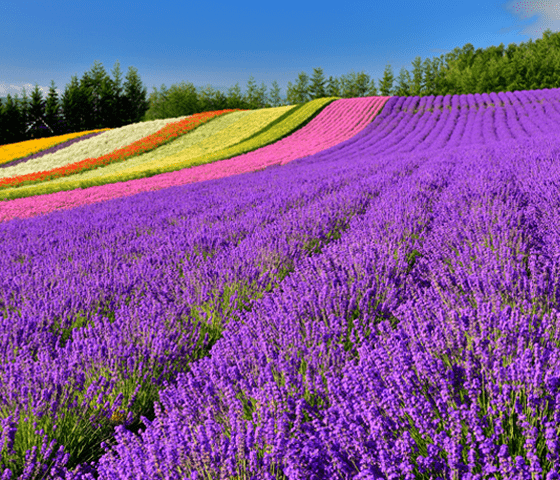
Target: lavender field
(387, 308)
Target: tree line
(95, 101)
(527, 66)
(98, 101)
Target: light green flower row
(221, 132)
(283, 126)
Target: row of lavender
(105, 332)
(97, 313)
(424, 343)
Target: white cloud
(547, 13)
(14, 90)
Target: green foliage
(317, 87)
(275, 99)
(52, 110)
(299, 93)
(402, 88)
(135, 101)
(386, 83)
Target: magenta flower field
(375, 296)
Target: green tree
(386, 83)
(402, 88)
(235, 98)
(317, 87)
(333, 87)
(13, 123)
(210, 99)
(299, 93)
(429, 78)
(23, 105)
(251, 94)
(52, 111)
(36, 114)
(116, 118)
(75, 103)
(275, 99)
(417, 86)
(98, 90)
(135, 102)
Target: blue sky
(223, 42)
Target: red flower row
(166, 134)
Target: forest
(98, 100)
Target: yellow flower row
(215, 145)
(201, 137)
(15, 151)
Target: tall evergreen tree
(386, 83)
(52, 111)
(333, 87)
(99, 90)
(417, 86)
(363, 84)
(135, 104)
(429, 78)
(275, 99)
(262, 97)
(23, 105)
(117, 110)
(3, 125)
(210, 99)
(235, 97)
(252, 94)
(402, 88)
(317, 87)
(36, 127)
(75, 105)
(13, 120)
(299, 93)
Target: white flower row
(97, 146)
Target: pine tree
(235, 97)
(75, 104)
(135, 104)
(317, 87)
(13, 120)
(98, 108)
(262, 98)
(333, 87)
(52, 111)
(36, 113)
(275, 99)
(403, 83)
(417, 85)
(429, 78)
(362, 84)
(251, 95)
(23, 105)
(386, 83)
(3, 125)
(301, 88)
(117, 110)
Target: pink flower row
(338, 122)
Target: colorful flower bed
(15, 151)
(336, 123)
(281, 127)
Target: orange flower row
(165, 135)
